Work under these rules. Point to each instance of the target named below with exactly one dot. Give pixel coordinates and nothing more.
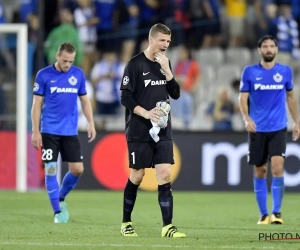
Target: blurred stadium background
(207, 157)
(212, 40)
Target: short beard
(268, 59)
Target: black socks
(130, 193)
(165, 200)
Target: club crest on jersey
(125, 80)
(163, 72)
(72, 80)
(277, 77)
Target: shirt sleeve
(39, 85)
(82, 88)
(129, 77)
(290, 83)
(245, 83)
(127, 100)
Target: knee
(136, 177)
(277, 166)
(277, 171)
(76, 170)
(261, 172)
(164, 175)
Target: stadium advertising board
(204, 161)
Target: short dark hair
(159, 27)
(68, 47)
(264, 38)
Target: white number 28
(47, 154)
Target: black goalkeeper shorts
(148, 154)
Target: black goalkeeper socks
(165, 200)
(130, 193)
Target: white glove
(163, 109)
(163, 121)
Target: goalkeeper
(147, 80)
(163, 108)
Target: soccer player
(147, 80)
(264, 90)
(54, 117)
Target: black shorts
(68, 146)
(148, 154)
(264, 145)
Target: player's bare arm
(88, 113)
(151, 114)
(36, 109)
(243, 103)
(292, 105)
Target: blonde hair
(159, 27)
(68, 47)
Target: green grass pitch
(211, 220)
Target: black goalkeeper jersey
(147, 82)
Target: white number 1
(133, 157)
